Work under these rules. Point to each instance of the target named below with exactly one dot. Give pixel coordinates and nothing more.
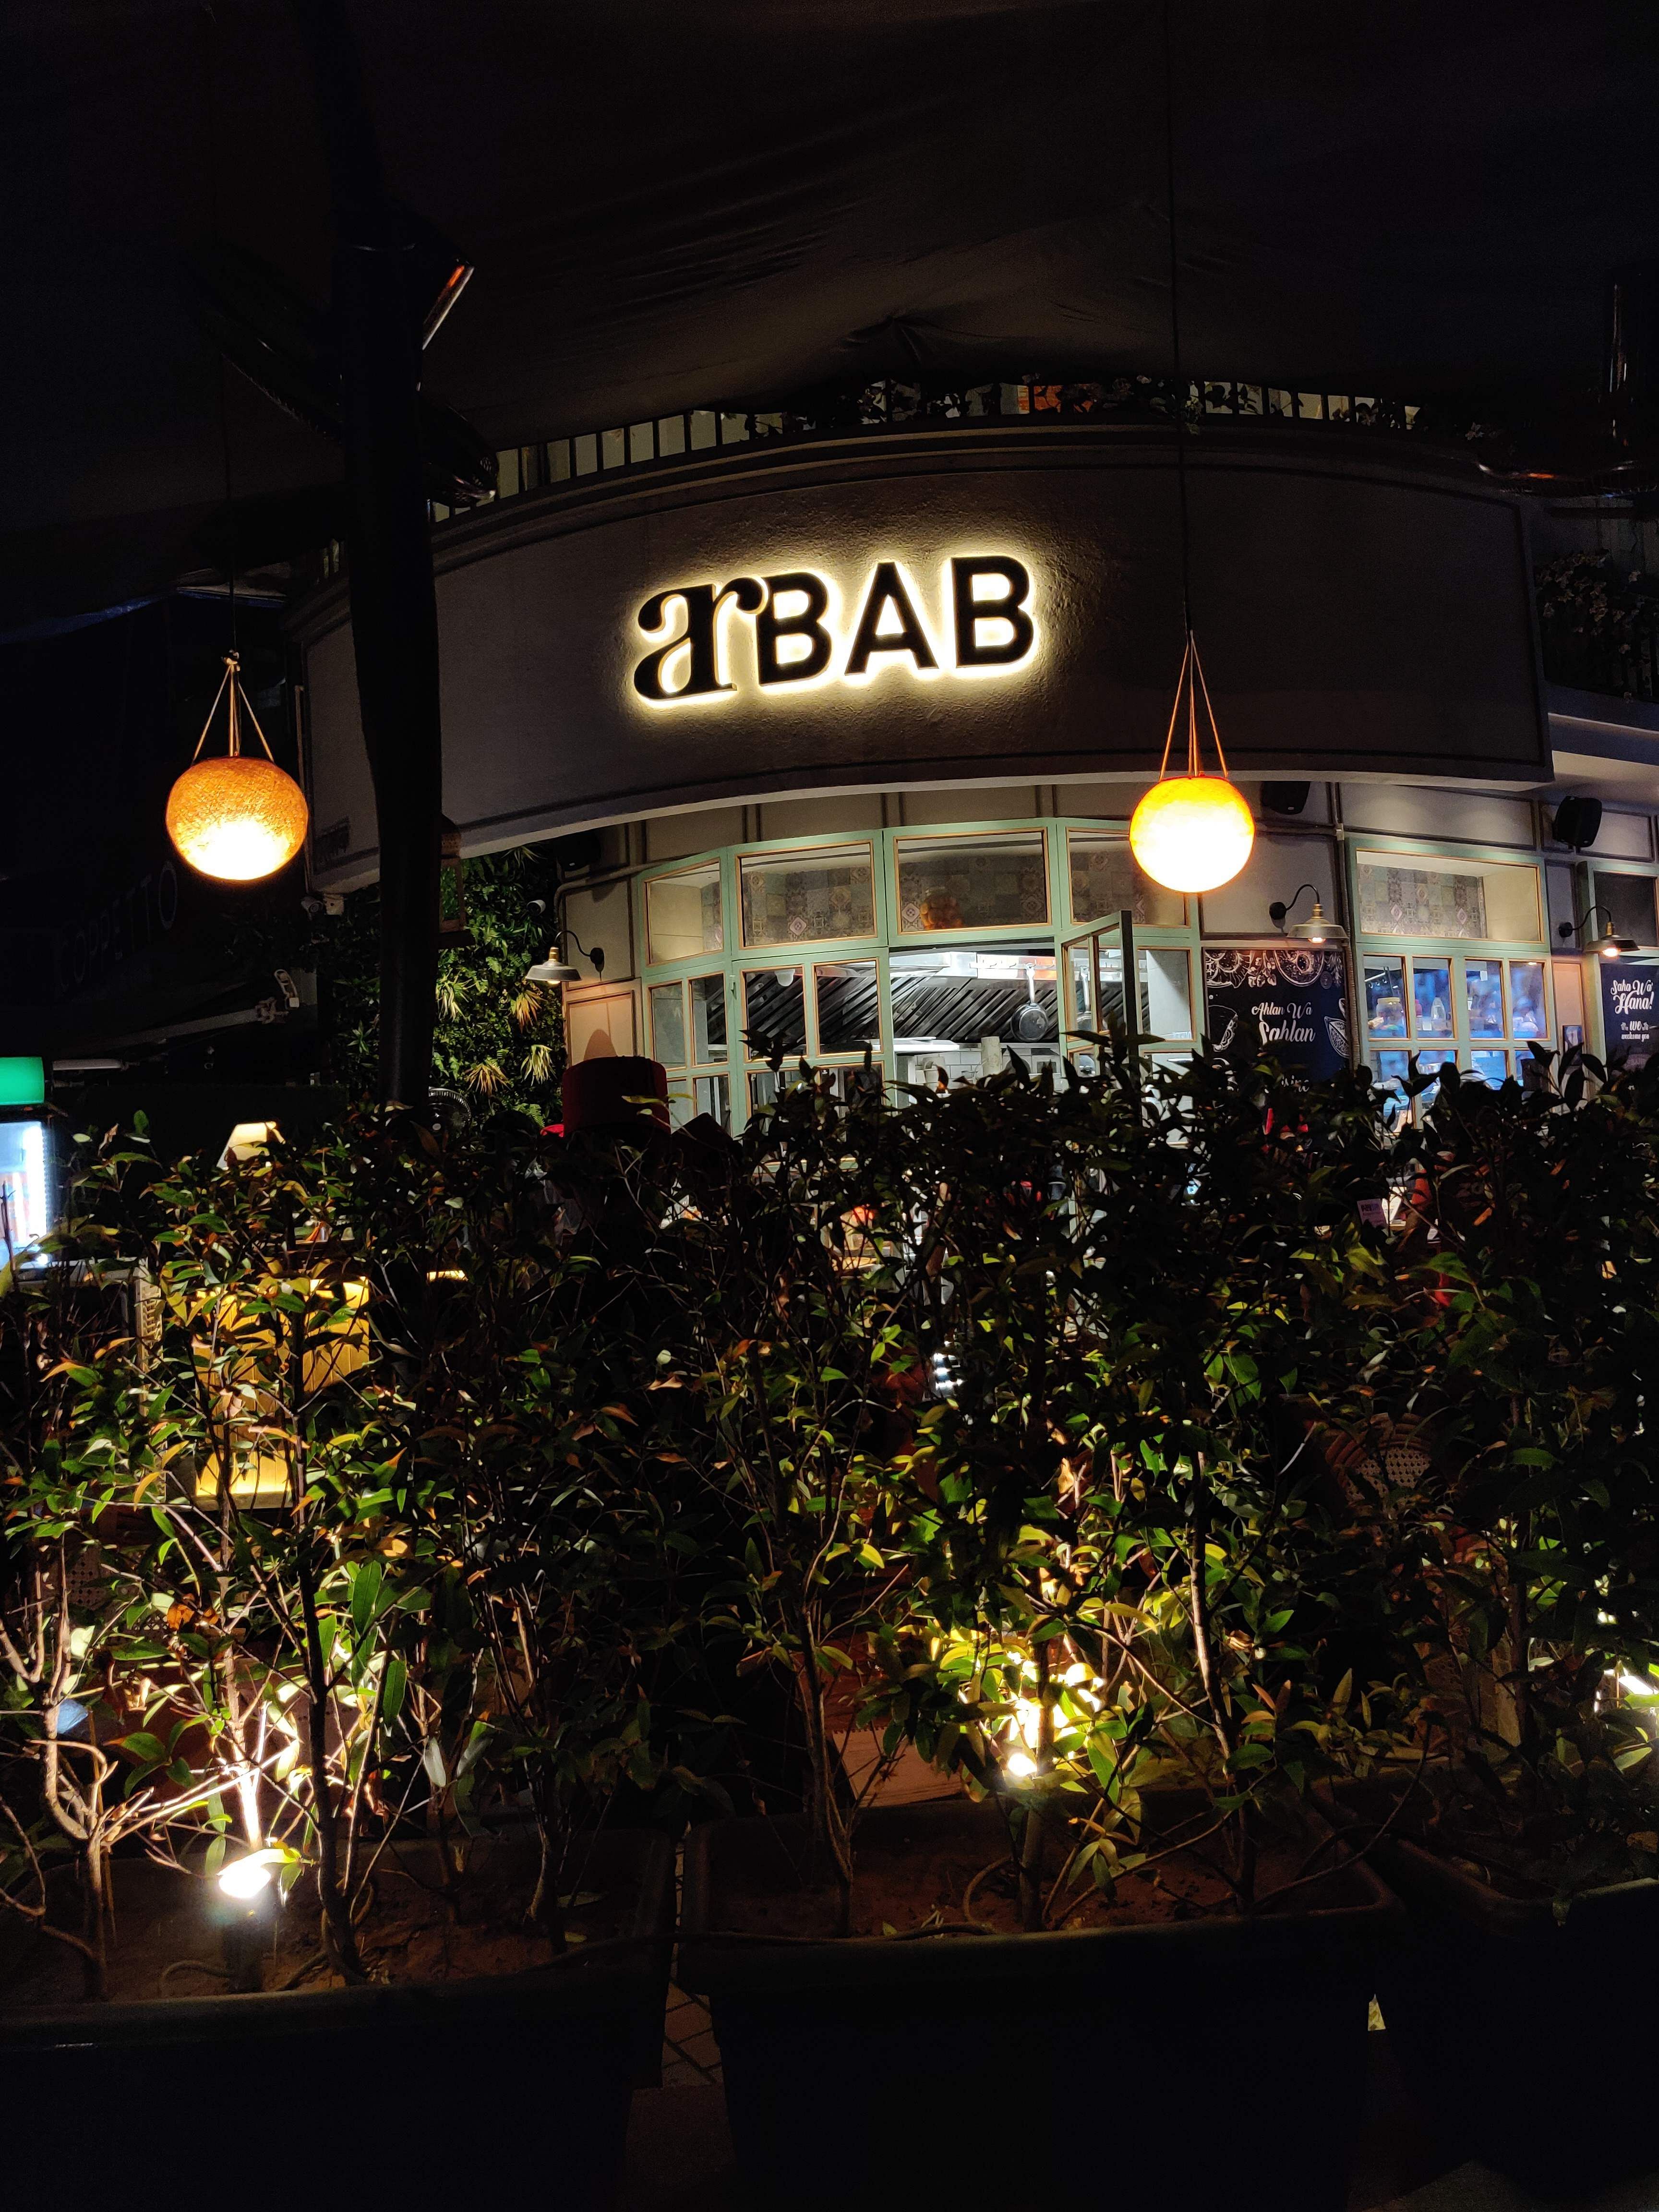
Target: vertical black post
(394, 614)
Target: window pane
(1105, 880)
(1432, 999)
(789, 898)
(849, 1006)
(668, 1025)
(1426, 1062)
(1166, 999)
(1527, 1018)
(774, 1012)
(1392, 1070)
(1625, 906)
(1483, 992)
(683, 913)
(972, 882)
(1418, 896)
(1489, 1067)
(1385, 998)
(712, 1095)
(946, 1004)
(708, 1017)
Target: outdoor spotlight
(1317, 929)
(245, 1879)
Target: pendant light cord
(1175, 314)
(224, 371)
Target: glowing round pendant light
(236, 817)
(1192, 832)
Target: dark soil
(166, 1920)
(900, 1888)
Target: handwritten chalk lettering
(786, 634)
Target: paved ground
(679, 2159)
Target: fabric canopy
(670, 205)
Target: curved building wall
(825, 616)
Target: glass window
(1426, 1062)
(1165, 975)
(1385, 998)
(1432, 999)
(1527, 1016)
(1392, 1070)
(707, 1018)
(989, 882)
(955, 1012)
(774, 1012)
(1105, 880)
(1625, 906)
(683, 913)
(1416, 895)
(668, 1025)
(849, 1006)
(1483, 994)
(712, 1095)
(1489, 1067)
(789, 898)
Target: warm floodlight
(236, 817)
(249, 1877)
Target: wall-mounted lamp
(555, 970)
(1606, 944)
(1317, 929)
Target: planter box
(1013, 2068)
(1522, 2037)
(423, 2095)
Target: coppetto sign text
(979, 623)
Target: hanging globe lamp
(235, 816)
(1192, 832)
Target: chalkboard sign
(1296, 995)
(1630, 1010)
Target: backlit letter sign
(980, 623)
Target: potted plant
(1136, 1298)
(327, 1501)
(1518, 1806)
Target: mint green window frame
(1054, 935)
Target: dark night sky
(670, 205)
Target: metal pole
(394, 614)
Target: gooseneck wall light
(1317, 929)
(235, 816)
(1191, 832)
(553, 969)
(1608, 944)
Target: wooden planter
(421, 2095)
(1213, 2061)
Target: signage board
(984, 607)
(1297, 997)
(1630, 1010)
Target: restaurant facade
(838, 728)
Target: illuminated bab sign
(985, 628)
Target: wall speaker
(1577, 823)
(1284, 798)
